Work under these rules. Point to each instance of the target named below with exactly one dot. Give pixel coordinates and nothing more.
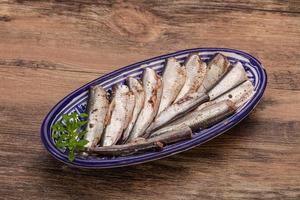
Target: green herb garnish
(68, 133)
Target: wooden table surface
(48, 49)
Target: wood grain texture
(48, 49)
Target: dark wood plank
(48, 49)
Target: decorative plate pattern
(77, 100)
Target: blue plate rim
(183, 146)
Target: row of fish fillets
(193, 95)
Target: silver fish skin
(195, 72)
(234, 77)
(238, 95)
(152, 85)
(201, 119)
(129, 113)
(167, 129)
(216, 69)
(142, 145)
(182, 132)
(117, 117)
(96, 109)
(185, 105)
(173, 80)
(136, 87)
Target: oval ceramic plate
(77, 100)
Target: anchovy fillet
(145, 145)
(129, 113)
(238, 95)
(195, 72)
(153, 89)
(117, 117)
(138, 91)
(185, 105)
(96, 109)
(234, 77)
(216, 69)
(173, 80)
(201, 119)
